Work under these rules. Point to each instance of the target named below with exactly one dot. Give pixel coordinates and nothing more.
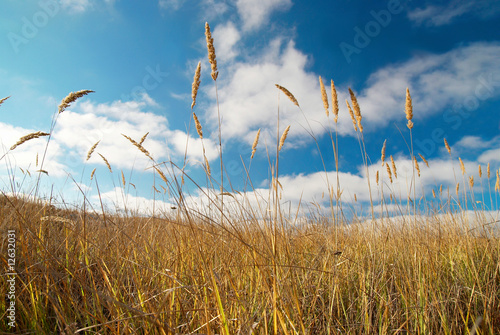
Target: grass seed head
(198, 126)
(143, 138)
(288, 94)
(424, 160)
(352, 115)
(357, 110)
(389, 172)
(409, 109)
(462, 166)
(283, 138)
(324, 97)
(91, 150)
(196, 84)
(28, 137)
(211, 52)
(335, 103)
(72, 97)
(382, 157)
(394, 168)
(447, 146)
(106, 162)
(255, 142)
(3, 100)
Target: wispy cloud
(439, 15)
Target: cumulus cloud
(170, 4)
(255, 13)
(455, 81)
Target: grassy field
(233, 268)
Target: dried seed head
(211, 52)
(471, 181)
(382, 157)
(143, 138)
(138, 146)
(123, 178)
(416, 165)
(433, 193)
(357, 110)
(283, 138)
(209, 172)
(457, 188)
(389, 172)
(480, 171)
(91, 150)
(72, 97)
(255, 142)
(2, 100)
(288, 94)
(335, 103)
(106, 161)
(196, 84)
(394, 168)
(447, 146)
(92, 174)
(352, 115)
(409, 109)
(488, 170)
(424, 160)
(198, 126)
(462, 167)
(324, 97)
(497, 185)
(28, 137)
(376, 177)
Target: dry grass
(232, 268)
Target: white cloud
(439, 15)
(24, 156)
(76, 6)
(462, 78)
(255, 13)
(170, 4)
(226, 38)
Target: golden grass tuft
(376, 177)
(139, 146)
(447, 146)
(424, 160)
(255, 142)
(288, 94)
(409, 109)
(211, 52)
(389, 171)
(335, 103)
(196, 84)
(462, 166)
(143, 138)
(91, 150)
(357, 110)
(382, 156)
(480, 171)
(352, 115)
(488, 171)
(283, 138)
(394, 168)
(106, 162)
(28, 137)
(92, 174)
(497, 185)
(471, 181)
(3, 100)
(197, 123)
(416, 165)
(324, 97)
(72, 97)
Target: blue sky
(140, 57)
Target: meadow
(236, 267)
